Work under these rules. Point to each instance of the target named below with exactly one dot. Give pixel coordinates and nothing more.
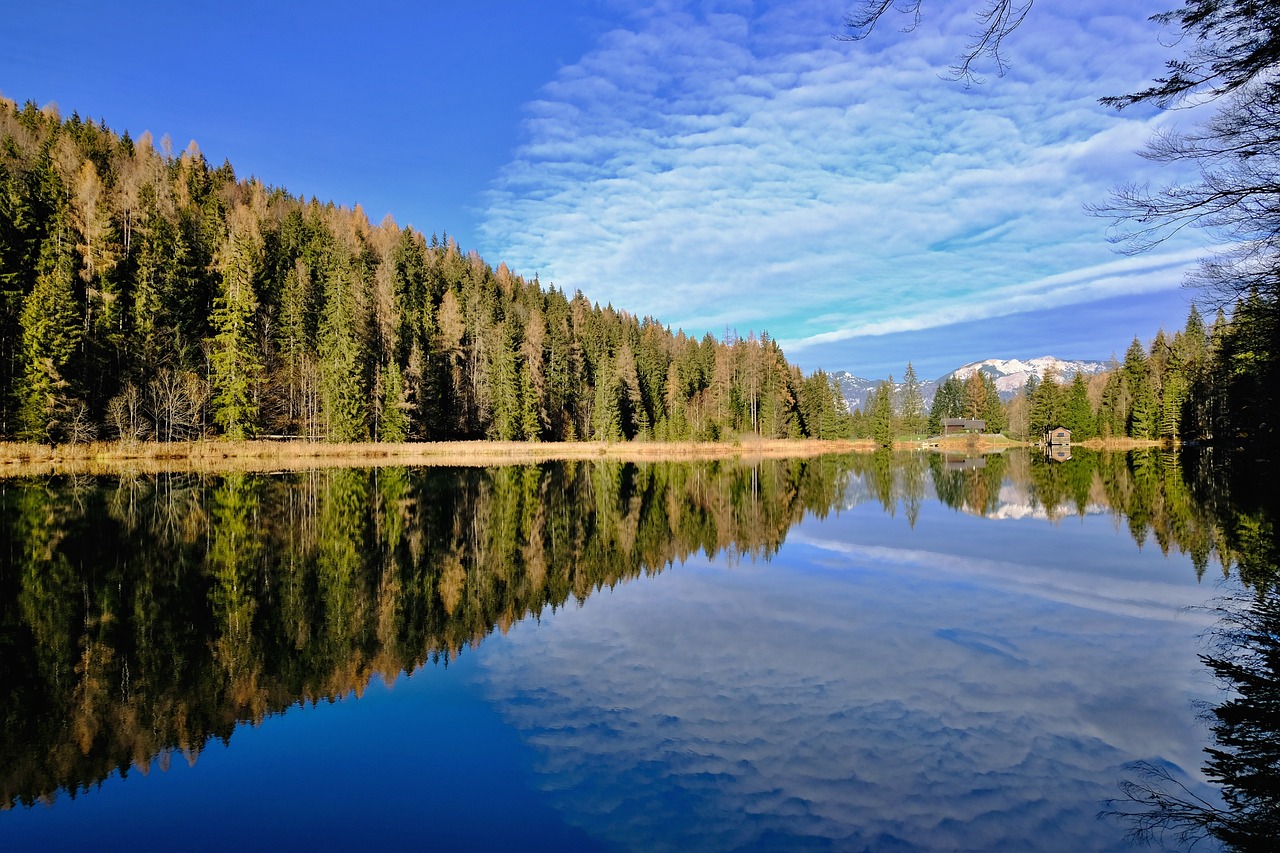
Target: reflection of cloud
(741, 167)
(1119, 596)
(789, 706)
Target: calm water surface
(878, 653)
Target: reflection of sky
(423, 764)
(870, 687)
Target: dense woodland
(147, 295)
(1203, 384)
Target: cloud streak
(731, 165)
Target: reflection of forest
(139, 618)
(1215, 510)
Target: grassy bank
(20, 459)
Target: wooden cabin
(959, 426)
(1057, 436)
(957, 462)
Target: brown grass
(18, 459)
(990, 441)
(1117, 443)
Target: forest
(146, 295)
(1216, 385)
(1203, 384)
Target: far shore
(19, 459)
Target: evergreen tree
(606, 420)
(1142, 413)
(344, 385)
(880, 413)
(1046, 405)
(947, 403)
(911, 405)
(1077, 413)
(237, 363)
(993, 411)
(51, 335)
(394, 424)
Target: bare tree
(124, 412)
(176, 401)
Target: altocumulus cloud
(732, 165)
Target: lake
(910, 652)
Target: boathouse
(1054, 436)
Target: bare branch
(996, 21)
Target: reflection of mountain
(140, 618)
(1205, 506)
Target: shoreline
(212, 456)
(18, 459)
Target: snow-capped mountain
(1010, 376)
(856, 389)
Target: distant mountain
(856, 390)
(1010, 376)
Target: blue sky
(713, 163)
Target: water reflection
(142, 617)
(1244, 656)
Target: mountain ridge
(1010, 375)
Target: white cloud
(741, 168)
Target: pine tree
(880, 413)
(344, 384)
(1140, 394)
(1046, 405)
(911, 405)
(947, 403)
(1077, 414)
(51, 335)
(394, 424)
(606, 413)
(237, 360)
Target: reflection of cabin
(956, 426)
(954, 462)
(1058, 452)
(1054, 436)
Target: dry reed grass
(20, 459)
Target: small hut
(1058, 436)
